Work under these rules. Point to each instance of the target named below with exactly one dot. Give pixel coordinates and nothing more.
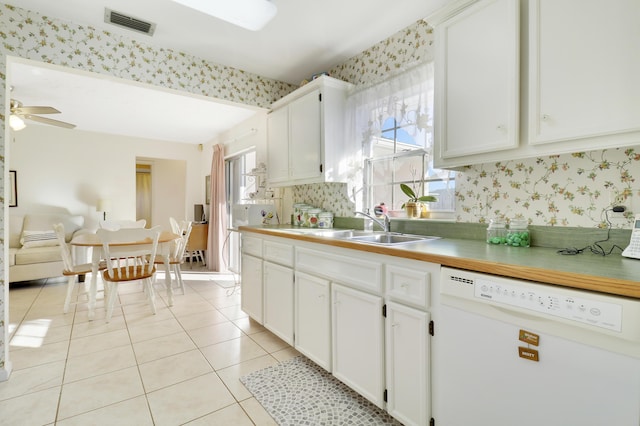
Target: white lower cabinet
(313, 318)
(358, 341)
(407, 364)
(251, 287)
(278, 300)
(334, 302)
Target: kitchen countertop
(613, 274)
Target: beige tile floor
(180, 366)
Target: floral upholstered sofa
(34, 252)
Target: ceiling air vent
(122, 20)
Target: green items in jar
(497, 231)
(518, 234)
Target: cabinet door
(477, 80)
(407, 351)
(251, 287)
(357, 341)
(278, 145)
(305, 137)
(278, 300)
(584, 69)
(313, 319)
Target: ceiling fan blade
(35, 110)
(50, 121)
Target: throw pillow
(38, 239)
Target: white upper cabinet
(579, 79)
(584, 62)
(477, 86)
(306, 135)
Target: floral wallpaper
(566, 190)
(332, 197)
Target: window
(239, 186)
(395, 120)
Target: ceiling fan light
(249, 14)
(16, 123)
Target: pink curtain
(217, 212)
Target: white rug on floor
(299, 392)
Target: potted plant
(413, 206)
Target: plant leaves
(408, 191)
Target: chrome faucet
(386, 225)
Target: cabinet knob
(545, 117)
(501, 128)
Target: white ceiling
(304, 38)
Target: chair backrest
(129, 251)
(175, 226)
(114, 225)
(64, 248)
(185, 231)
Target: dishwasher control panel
(602, 311)
(540, 299)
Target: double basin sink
(379, 238)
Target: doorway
(143, 192)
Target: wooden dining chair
(177, 257)
(71, 270)
(130, 254)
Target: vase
(413, 210)
(424, 211)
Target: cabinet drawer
(280, 253)
(252, 246)
(359, 273)
(410, 286)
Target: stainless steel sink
(391, 238)
(339, 233)
(359, 236)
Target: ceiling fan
(19, 113)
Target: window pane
(383, 194)
(410, 169)
(382, 171)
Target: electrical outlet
(616, 198)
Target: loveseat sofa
(34, 252)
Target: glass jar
(518, 234)
(325, 220)
(497, 231)
(313, 217)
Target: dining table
(93, 241)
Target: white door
(278, 300)
(574, 93)
(278, 145)
(407, 350)
(251, 287)
(313, 319)
(357, 341)
(305, 137)
(477, 78)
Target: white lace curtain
(406, 96)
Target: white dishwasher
(509, 352)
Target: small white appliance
(254, 214)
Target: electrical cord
(595, 248)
